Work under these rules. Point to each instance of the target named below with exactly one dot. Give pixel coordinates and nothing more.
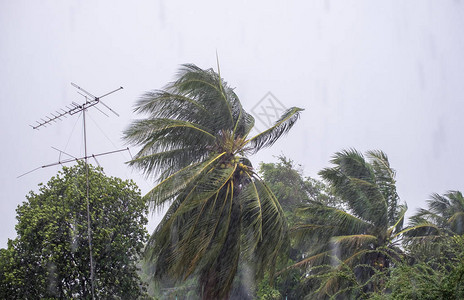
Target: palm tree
(353, 244)
(195, 141)
(445, 213)
(430, 229)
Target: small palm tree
(431, 228)
(353, 244)
(445, 213)
(195, 141)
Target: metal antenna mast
(75, 108)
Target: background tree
(195, 141)
(351, 245)
(287, 182)
(50, 256)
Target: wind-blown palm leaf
(355, 181)
(162, 104)
(268, 137)
(179, 181)
(385, 179)
(396, 229)
(354, 240)
(161, 138)
(315, 260)
(192, 141)
(329, 221)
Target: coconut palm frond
(354, 241)
(189, 229)
(159, 134)
(396, 228)
(379, 161)
(178, 182)
(351, 163)
(207, 88)
(166, 163)
(456, 222)
(268, 137)
(165, 105)
(354, 180)
(385, 180)
(314, 260)
(262, 214)
(438, 204)
(328, 221)
(419, 230)
(362, 196)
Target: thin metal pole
(89, 231)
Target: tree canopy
(50, 256)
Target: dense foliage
(50, 256)
(346, 253)
(428, 277)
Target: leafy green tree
(287, 182)
(195, 141)
(353, 245)
(266, 292)
(50, 256)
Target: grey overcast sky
(371, 75)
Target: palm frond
(385, 180)
(398, 226)
(367, 187)
(414, 231)
(165, 105)
(351, 163)
(273, 225)
(170, 187)
(314, 260)
(438, 204)
(188, 230)
(380, 162)
(207, 88)
(456, 222)
(268, 137)
(143, 131)
(334, 221)
(353, 241)
(361, 194)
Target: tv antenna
(72, 109)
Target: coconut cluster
(235, 161)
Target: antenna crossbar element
(68, 160)
(75, 108)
